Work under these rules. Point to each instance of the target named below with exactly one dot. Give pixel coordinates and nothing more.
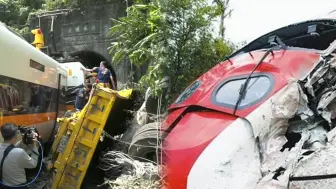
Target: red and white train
(210, 140)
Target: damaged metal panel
(316, 169)
(326, 101)
(283, 108)
(296, 143)
(263, 120)
(270, 128)
(319, 164)
(279, 178)
(316, 76)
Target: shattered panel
(283, 108)
(314, 184)
(295, 143)
(321, 162)
(315, 77)
(268, 125)
(279, 179)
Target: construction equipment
(38, 38)
(78, 136)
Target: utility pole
(226, 12)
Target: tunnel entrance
(92, 59)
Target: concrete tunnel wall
(83, 33)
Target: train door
(61, 102)
(62, 87)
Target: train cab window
(258, 88)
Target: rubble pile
(121, 171)
(299, 148)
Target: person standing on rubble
(82, 96)
(104, 75)
(14, 160)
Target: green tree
(174, 36)
(15, 13)
(70, 4)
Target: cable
(38, 173)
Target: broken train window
(228, 91)
(188, 92)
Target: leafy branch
(173, 36)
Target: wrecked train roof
(311, 34)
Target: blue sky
(253, 18)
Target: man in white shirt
(12, 167)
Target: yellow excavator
(79, 134)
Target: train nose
(211, 150)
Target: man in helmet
(15, 160)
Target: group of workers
(104, 78)
(16, 157)
(104, 75)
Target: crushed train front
(207, 144)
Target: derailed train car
(263, 118)
(32, 85)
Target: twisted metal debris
(306, 108)
(134, 174)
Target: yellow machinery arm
(78, 136)
(38, 38)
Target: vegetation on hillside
(174, 36)
(57, 4)
(16, 13)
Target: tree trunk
(224, 5)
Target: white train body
(32, 84)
